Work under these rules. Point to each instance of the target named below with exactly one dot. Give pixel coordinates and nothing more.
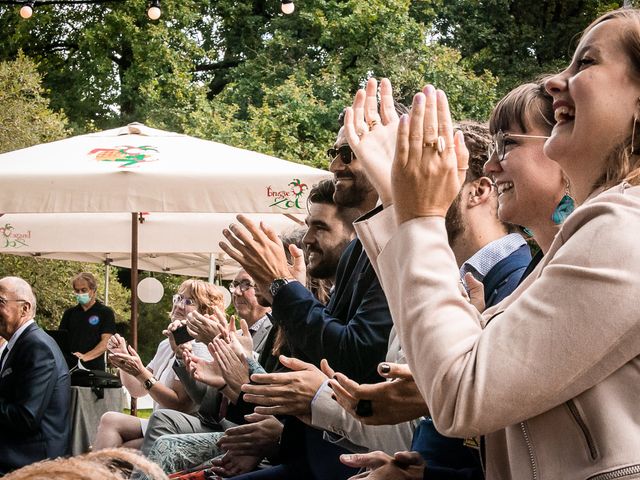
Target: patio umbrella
(138, 169)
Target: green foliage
(25, 115)
(51, 282)
(516, 40)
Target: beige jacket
(553, 381)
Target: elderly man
(34, 383)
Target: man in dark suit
(34, 384)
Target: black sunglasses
(345, 152)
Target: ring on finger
(372, 123)
(438, 145)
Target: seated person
(157, 379)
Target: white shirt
(14, 339)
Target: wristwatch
(277, 284)
(149, 382)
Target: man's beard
(353, 196)
(453, 221)
(328, 265)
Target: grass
(142, 413)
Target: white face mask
(83, 298)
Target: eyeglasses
(4, 301)
(497, 146)
(186, 301)
(241, 287)
(345, 152)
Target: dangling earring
(565, 207)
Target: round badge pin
(94, 320)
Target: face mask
(83, 298)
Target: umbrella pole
(212, 268)
(106, 281)
(134, 293)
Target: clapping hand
(260, 436)
(233, 368)
(202, 370)
(372, 135)
(129, 362)
(392, 402)
(430, 163)
(204, 328)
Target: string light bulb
(287, 7)
(26, 10)
(154, 11)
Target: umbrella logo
(286, 199)
(126, 155)
(13, 239)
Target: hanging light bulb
(26, 10)
(287, 7)
(154, 11)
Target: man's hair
(23, 291)
(477, 139)
(87, 277)
(322, 193)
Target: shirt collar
(488, 256)
(15, 337)
(256, 326)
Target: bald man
(34, 383)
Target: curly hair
(108, 464)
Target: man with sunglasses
(35, 391)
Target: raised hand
(285, 393)
(260, 436)
(240, 344)
(203, 370)
(117, 344)
(129, 362)
(260, 252)
(430, 163)
(234, 369)
(380, 466)
(168, 332)
(396, 401)
(372, 135)
(204, 328)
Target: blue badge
(94, 320)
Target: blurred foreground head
(108, 464)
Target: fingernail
(334, 397)
(428, 90)
(418, 98)
(335, 377)
(330, 386)
(385, 368)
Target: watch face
(276, 285)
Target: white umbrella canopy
(176, 243)
(141, 169)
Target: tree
(51, 282)
(515, 39)
(238, 71)
(25, 115)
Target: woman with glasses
(553, 379)
(157, 378)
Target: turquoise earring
(564, 208)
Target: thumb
(462, 156)
(295, 364)
(395, 370)
(299, 268)
(255, 417)
(131, 350)
(326, 369)
(476, 291)
(245, 328)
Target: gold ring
(372, 123)
(438, 145)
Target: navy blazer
(35, 396)
(352, 331)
